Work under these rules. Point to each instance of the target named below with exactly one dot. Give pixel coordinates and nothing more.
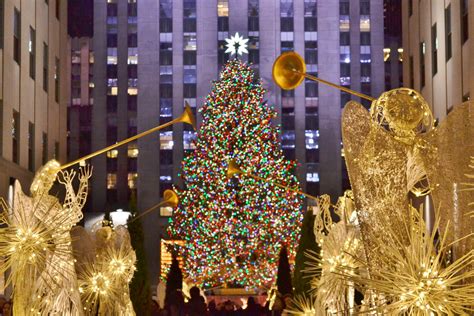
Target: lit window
(112, 91)
(166, 37)
(166, 140)
(312, 139)
(365, 23)
(288, 139)
(400, 54)
(165, 178)
(345, 81)
(287, 36)
(112, 55)
(132, 91)
(191, 102)
(166, 211)
(344, 23)
(188, 140)
(132, 56)
(133, 82)
(132, 180)
(222, 8)
(189, 41)
(112, 82)
(111, 181)
(310, 36)
(132, 151)
(112, 153)
(190, 75)
(312, 177)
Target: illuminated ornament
(236, 45)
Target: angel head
(403, 111)
(44, 178)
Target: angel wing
(453, 141)
(377, 167)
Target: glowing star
(236, 44)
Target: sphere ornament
(403, 111)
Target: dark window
(17, 36)
(58, 8)
(189, 25)
(132, 102)
(311, 121)
(111, 9)
(345, 97)
(45, 148)
(411, 73)
(31, 147)
(16, 137)
(311, 89)
(311, 56)
(45, 66)
(111, 135)
(288, 122)
(166, 91)
(254, 56)
(132, 9)
(286, 24)
(189, 90)
(364, 7)
(434, 50)
(365, 70)
(364, 38)
(132, 40)
(112, 103)
(223, 24)
(189, 57)
(345, 38)
(422, 64)
(111, 165)
(410, 7)
(344, 7)
(253, 23)
(312, 155)
(56, 79)
(166, 25)
(310, 24)
(448, 32)
(32, 52)
(166, 157)
(464, 20)
(345, 70)
(2, 8)
(56, 150)
(111, 71)
(166, 57)
(132, 71)
(189, 8)
(289, 154)
(111, 40)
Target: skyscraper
(34, 88)
(437, 45)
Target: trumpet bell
(233, 169)
(188, 116)
(170, 198)
(289, 70)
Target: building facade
(437, 45)
(34, 80)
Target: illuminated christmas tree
(233, 228)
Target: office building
(34, 80)
(437, 45)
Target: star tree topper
(236, 44)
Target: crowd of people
(196, 306)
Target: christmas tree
(233, 227)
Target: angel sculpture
(57, 290)
(394, 150)
(36, 245)
(105, 264)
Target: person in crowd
(253, 308)
(7, 309)
(212, 308)
(196, 305)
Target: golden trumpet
(187, 117)
(170, 198)
(289, 71)
(234, 169)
